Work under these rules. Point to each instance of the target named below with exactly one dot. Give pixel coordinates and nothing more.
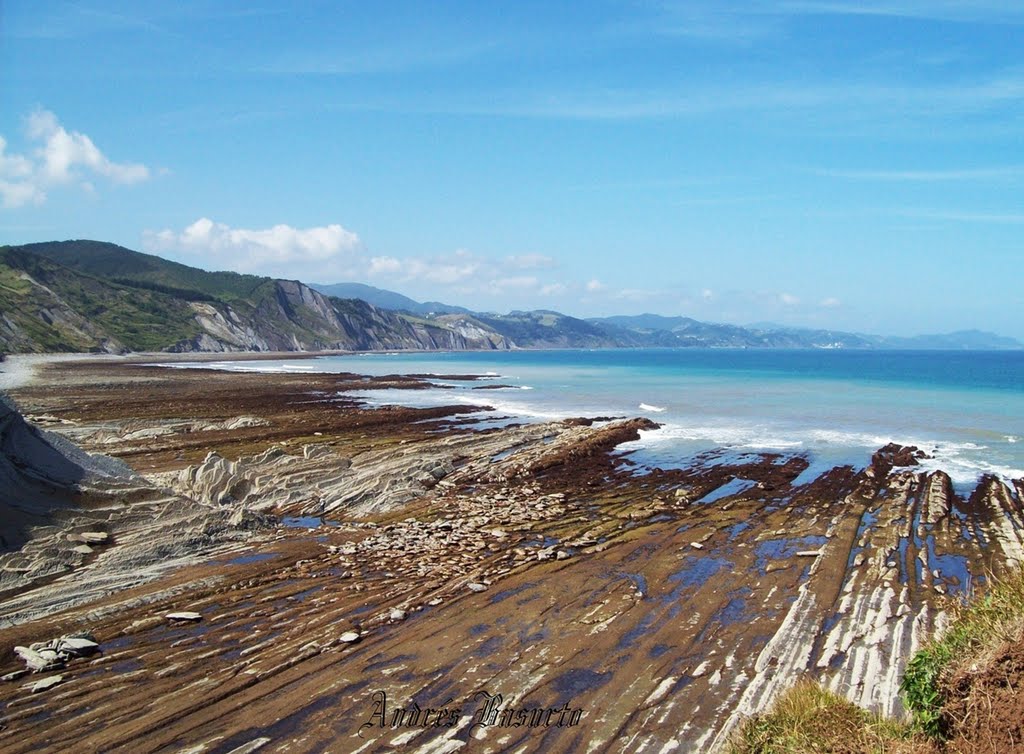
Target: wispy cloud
(961, 174)
(988, 218)
(964, 11)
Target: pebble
(475, 586)
(349, 637)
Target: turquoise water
(833, 406)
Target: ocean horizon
(964, 409)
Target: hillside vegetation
(92, 296)
(964, 691)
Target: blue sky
(810, 162)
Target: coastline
(531, 561)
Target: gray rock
(475, 586)
(94, 537)
(397, 614)
(45, 683)
(77, 645)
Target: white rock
(184, 616)
(397, 614)
(32, 659)
(696, 545)
(349, 637)
(475, 586)
(94, 537)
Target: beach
(349, 559)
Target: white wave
(525, 387)
(1011, 439)
(964, 461)
(649, 407)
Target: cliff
(91, 296)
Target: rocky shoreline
(325, 552)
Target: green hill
(94, 296)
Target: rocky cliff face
(47, 305)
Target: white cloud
(521, 282)
(595, 286)
(60, 158)
(554, 289)
(263, 250)
(788, 299)
(384, 266)
(831, 302)
(530, 261)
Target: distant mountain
(387, 299)
(92, 296)
(95, 296)
(685, 331)
(977, 340)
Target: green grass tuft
(979, 627)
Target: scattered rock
(142, 624)
(808, 553)
(696, 545)
(14, 676)
(45, 683)
(32, 659)
(562, 555)
(77, 645)
(349, 637)
(476, 586)
(184, 616)
(435, 602)
(397, 614)
(94, 537)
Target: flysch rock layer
(411, 554)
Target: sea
(965, 409)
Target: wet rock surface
(432, 561)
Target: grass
(807, 718)
(979, 628)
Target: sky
(819, 163)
